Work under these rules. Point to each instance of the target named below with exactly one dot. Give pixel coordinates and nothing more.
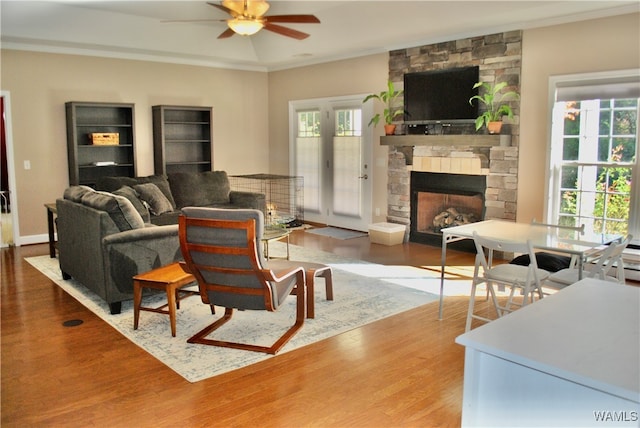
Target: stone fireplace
(490, 160)
(474, 177)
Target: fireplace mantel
(446, 140)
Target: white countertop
(588, 333)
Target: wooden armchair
(221, 249)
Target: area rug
(363, 293)
(337, 233)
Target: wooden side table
(168, 278)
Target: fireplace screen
(436, 211)
(441, 200)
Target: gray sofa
(179, 190)
(105, 238)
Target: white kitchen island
(571, 359)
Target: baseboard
(32, 239)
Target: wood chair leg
(328, 283)
(310, 278)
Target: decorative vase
(494, 127)
(389, 129)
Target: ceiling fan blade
(293, 19)
(226, 34)
(223, 8)
(284, 31)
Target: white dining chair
(606, 265)
(527, 279)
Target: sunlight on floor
(425, 278)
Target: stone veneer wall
(499, 59)
(498, 56)
(501, 172)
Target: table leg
(52, 241)
(287, 247)
(137, 299)
(171, 302)
(443, 261)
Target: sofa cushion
(153, 196)
(110, 184)
(133, 196)
(114, 183)
(75, 193)
(201, 189)
(119, 208)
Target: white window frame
(620, 84)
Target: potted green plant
(495, 107)
(391, 111)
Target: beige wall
(39, 85)
(589, 46)
(251, 109)
(362, 75)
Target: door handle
(364, 176)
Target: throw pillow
(547, 261)
(162, 183)
(152, 195)
(134, 198)
(119, 208)
(75, 193)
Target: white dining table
(577, 243)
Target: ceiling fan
(248, 17)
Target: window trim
(606, 79)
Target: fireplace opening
(440, 200)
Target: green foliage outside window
(616, 144)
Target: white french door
(330, 148)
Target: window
(348, 123)
(594, 144)
(309, 124)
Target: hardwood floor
(405, 370)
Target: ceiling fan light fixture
(245, 27)
(255, 8)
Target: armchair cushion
(153, 196)
(119, 208)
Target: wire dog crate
(284, 196)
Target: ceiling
(135, 29)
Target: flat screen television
(440, 96)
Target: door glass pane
(348, 122)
